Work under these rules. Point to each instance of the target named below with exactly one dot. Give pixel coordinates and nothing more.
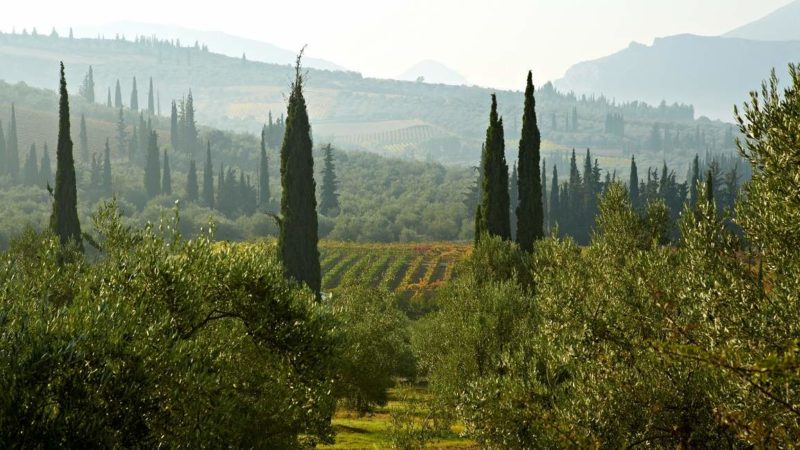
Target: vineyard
(407, 269)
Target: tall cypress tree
(134, 96)
(31, 171)
(46, 171)
(192, 190)
(555, 206)
(152, 168)
(118, 96)
(64, 220)
(122, 134)
(513, 195)
(633, 183)
(12, 148)
(95, 175)
(151, 101)
(263, 176)
(494, 209)
(108, 101)
(174, 131)
(166, 180)
(106, 183)
(298, 226)
(208, 179)
(83, 141)
(544, 194)
(693, 180)
(329, 199)
(530, 216)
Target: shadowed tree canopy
(64, 220)
(298, 223)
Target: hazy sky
(491, 43)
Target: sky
(490, 43)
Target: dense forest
(594, 308)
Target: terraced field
(409, 269)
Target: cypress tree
(513, 194)
(152, 168)
(87, 88)
(693, 180)
(12, 148)
(151, 101)
(544, 195)
(555, 209)
(94, 179)
(222, 202)
(64, 219)
(118, 96)
(108, 102)
(166, 180)
(329, 199)
(134, 96)
(208, 180)
(188, 138)
(633, 183)
(191, 183)
(710, 188)
(83, 141)
(530, 214)
(3, 166)
(122, 134)
(263, 176)
(173, 130)
(494, 209)
(106, 184)
(31, 170)
(298, 237)
(46, 171)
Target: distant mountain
(217, 42)
(712, 73)
(780, 25)
(434, 72)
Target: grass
(374, 431)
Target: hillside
(780, 25)
(394, 118)
(713, 73)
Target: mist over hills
(217, 42)
(711, 72)
(433, 72)
(782, 24)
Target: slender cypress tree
(192, 190)
(134, 96)
(30, 174)
(530, 216)
(166, 180)
(108, 102)
(12, 148)
(263, 177)
(208, 179)
(693, 180)
(710, 188)
(544, 195)
(298, 226)
(106, 183)
(83, 141)
(329, 199)
(46, 171)
(174, 132)
(118, 96)
(513, 194)
(122, 134)
(555, 209)
(151, 101)
(152, 168)
(633, 183)
(64, 220)
(494, 210)
(94, 178)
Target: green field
(375, 431)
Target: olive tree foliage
(162, 342)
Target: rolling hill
(780, 25)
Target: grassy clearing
(374, 431)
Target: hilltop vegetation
(393, 118)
